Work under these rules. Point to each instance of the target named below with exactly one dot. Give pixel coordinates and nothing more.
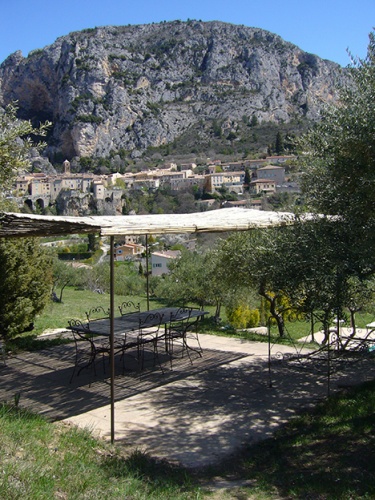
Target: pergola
(223, 220)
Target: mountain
(121, 90)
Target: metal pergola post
(112, 336)
(147, 277)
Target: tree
(279, 144)
(340, 164)
(257, 260)
(254, 121)
(247, 179)
(193, 278)
(292, 269)
(361, 295)
(26, 279)
(25, 268)
(63, 276)
(93, 242)
(15, 143)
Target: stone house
(233, 181)
(272, 172)
(128, 250)
(263, 186)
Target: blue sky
(323, 27)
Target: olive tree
(290, 268)
(194, 277)
(15, 143)
(339, 179)
(339, 159)
(258, 260)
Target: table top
(131, 321)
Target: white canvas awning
(228, 219)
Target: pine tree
(279, 144)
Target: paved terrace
(195, 414)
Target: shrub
(241, 316)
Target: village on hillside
(267, 176)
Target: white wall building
(160, 261)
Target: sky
(327, 28)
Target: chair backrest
(129, 307)
(181, 314)
(183, 319)
(151, 322)
(80, 330)
(97, 312)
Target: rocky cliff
(114, 90)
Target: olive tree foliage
(193, 278)
(339, 159)
(321, 267)
(338, 181)
(300, 270)
(127, 280)
(63, 275)
(318, 273)
(15, 143)
(257, 260)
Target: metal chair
(87, 344)
(126, 341)
(96, 313)
(150, 333)
(183, 327)
(87, 347)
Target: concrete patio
(195, 414)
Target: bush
(254, 318)
(241, 316)
(26, 282)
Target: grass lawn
(41, 460)
(327, 453)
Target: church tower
(66, 166)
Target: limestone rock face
(130, 87)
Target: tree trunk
(275, 314)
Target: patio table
(127, 328)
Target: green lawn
(74, 305)
(40, 460)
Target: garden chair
(151, 332)
(182, 328)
